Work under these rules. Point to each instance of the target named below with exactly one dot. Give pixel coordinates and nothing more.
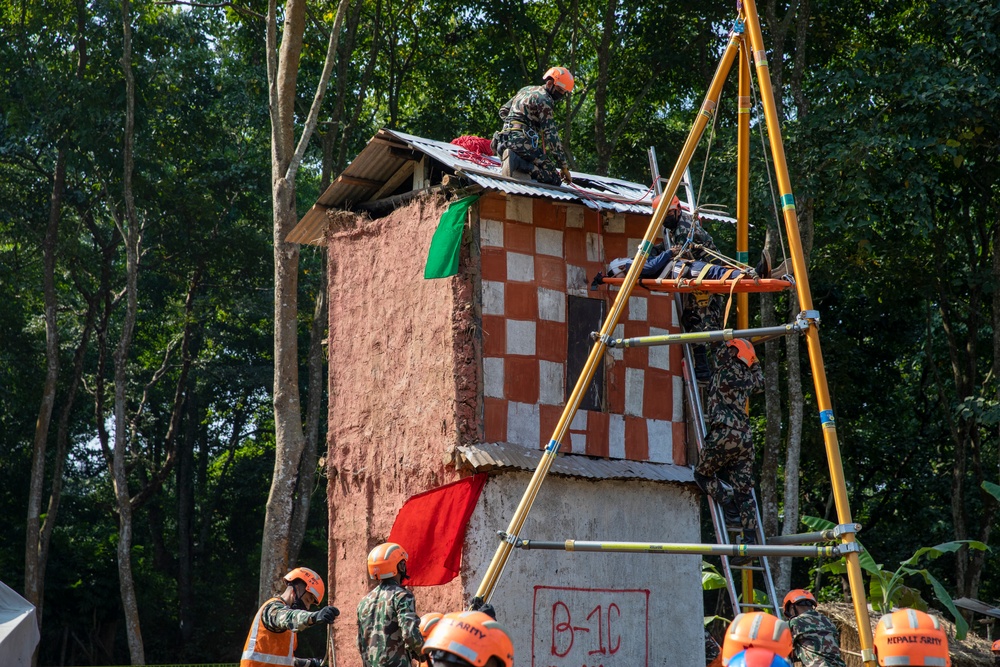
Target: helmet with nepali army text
(469, 638)
(313, 582)
(561, 78)
(795, 596)
(757, 630)
(385, 559)
(758, 657)
(428, 621)
(911, 637)
(745, 352)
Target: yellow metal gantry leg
(812, 334)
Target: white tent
(18, 628)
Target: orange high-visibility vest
(265, 648)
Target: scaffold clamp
(806, 318)
(510, 538)
(850, 548)
(868, 655)
(846, 529)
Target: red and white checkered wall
(534, 253)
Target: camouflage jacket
(388, 626)
(711, 647)
(731, 386)
(816, 640)
(700, 238)
(533, 106)
(279, 617)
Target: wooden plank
(354, 180)
(395, 180)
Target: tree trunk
(289, 441)
(33, 567)
(129, 228)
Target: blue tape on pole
(646, 245)
(826, 417)
(743, 256)
(552, 447)
(788, 202)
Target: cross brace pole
(731, 550)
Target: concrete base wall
(585, 609)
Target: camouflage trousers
(702, 311)
(729, 451)
(542, 169)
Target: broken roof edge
(504, 456)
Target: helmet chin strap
(297, 603)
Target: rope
(767, 165)
(478, 158)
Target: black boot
(749, 539)
(731, 513)
(702, 369)
(763, 268)
(514, 166)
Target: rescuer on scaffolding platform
(529, 141)
(728, 443)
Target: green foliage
(888, 591)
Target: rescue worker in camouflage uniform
(814, 636)
(273, 635)
(529, 141)
(388, 625)
(728, 443)
(702, 310)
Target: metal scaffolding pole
(718, 336)
(858, 594)
(731, 550)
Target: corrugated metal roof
(501, 455)
(388, 160)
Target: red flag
(431, 527)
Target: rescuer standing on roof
(273, 635)
(529, 141)
(728, 444)
(815, 637)
(388, 626)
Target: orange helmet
(427, 623)
(561, 78)
(313, 582)
(996, 646)
(744, 351)
(471, 636)
(911, 637)
(384, 560)
(757, 630)
(796, 596)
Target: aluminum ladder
(724, 535)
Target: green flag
(442, 258)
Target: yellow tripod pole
(812, 333)
(705, 115)
(743, 217)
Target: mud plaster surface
(402, 359)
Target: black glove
(325, 615)
(477, 604)
(316, 662)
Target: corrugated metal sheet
(501, 455)
(390, 153)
